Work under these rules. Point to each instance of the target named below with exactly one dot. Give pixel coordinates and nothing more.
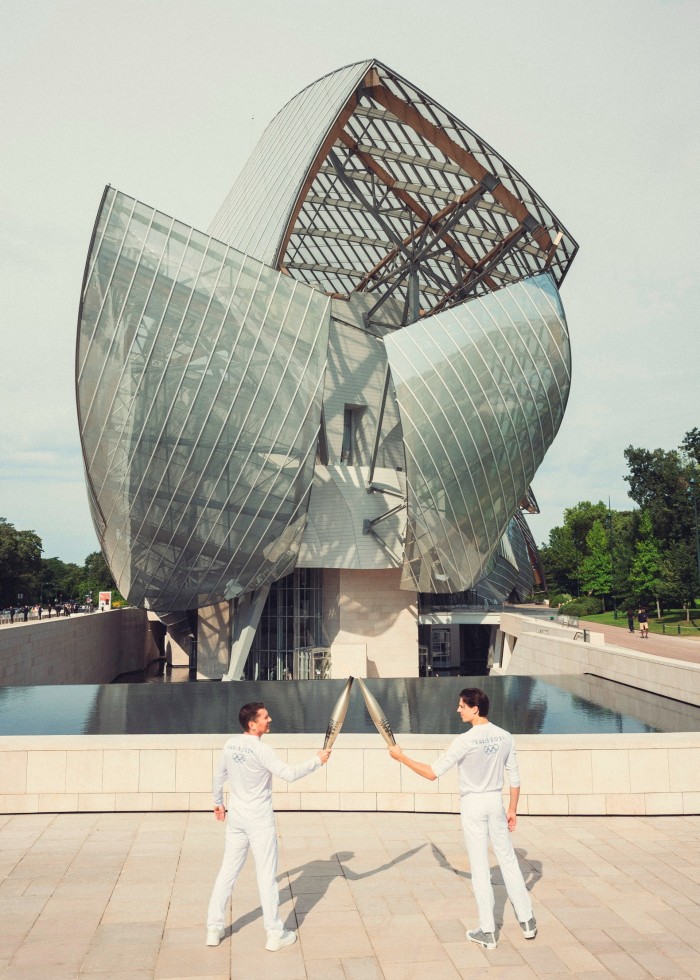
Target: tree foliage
(647, 567)
(23, 572)
(596, 567)
(20, 563)
(638, 555)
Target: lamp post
(693, 492)
(612, 561)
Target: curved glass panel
(200, 375)
(254, 214)
(481, 390)
(509, 570)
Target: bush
(585, 606)
(559, 599)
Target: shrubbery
(559, 599)
(589, 605)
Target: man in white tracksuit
(248, 765)
(482, 755)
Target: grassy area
(670, 622)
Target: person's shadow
(532, 872)
(314, 879)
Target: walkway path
(659, 644)
(373, 896)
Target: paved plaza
(373, 895)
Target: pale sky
(595, 103)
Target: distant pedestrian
(25, 613)
(39, 611)
(12, 614)
(643, 622)
(630, 618)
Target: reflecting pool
(524, 705)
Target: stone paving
(373, 895)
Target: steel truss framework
(401, 195)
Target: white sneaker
(481, 938)
(276, 940)
(214, 935)
(529, 928)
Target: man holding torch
(249, 766)
(483, 754)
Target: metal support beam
(380, 420)
(440, 223)
(412, 118)
(247, 612)
(368, 525)
(482, 269)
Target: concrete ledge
(81, 649)
(539, 649)
(641, 774)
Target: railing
(33, 615)
(312, 663)
(679, 629)
(449, 603)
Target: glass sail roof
(366, 184)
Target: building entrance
(288, 641)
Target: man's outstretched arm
(421, 768)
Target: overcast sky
(595, 103)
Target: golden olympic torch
(377, 715)
(338, 715)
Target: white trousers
(262, 840)
(483, 817)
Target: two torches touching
(341, 708)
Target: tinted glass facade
(200, 374)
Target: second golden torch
(338, 715)
(377, 715)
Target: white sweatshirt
(248, 765)
(482, 754)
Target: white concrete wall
(561, 774)
(542, 647)
(89, 649)
(374, 612)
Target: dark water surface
(523, 705)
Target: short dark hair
(476, 698)
(248, 713)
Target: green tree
(562, 557)
(647, 566)
(560, 561)
(596, 567)
(658, 482)
(59, 580)
(691, 445)
(96, 576)
(20, 564)
(680, 574)
(622, 548)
